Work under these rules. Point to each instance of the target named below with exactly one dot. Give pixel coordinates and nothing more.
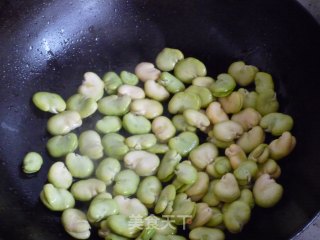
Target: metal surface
(48, 45)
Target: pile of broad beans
(144, 171)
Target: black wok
(48, 45)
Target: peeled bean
(146, 107)
(216, 218)
(90, 144)
(218, 143)
(196, 118)
(248, 118)
(142, 162)
(263, 82)
(107, 170)
(215, 113)
(223, 86)
(167, 237)
(242, 73)
(203, 81)
(203, 215)
(246, 196)
(136, 124)
(203, 93)
(181, 124)
(129, 78)
(114, 145)
(100, 208)
(59, 175)
(186, 175)
(182, 101)
(266, 191)
(189, 68)
(246, 172)
(167, 58)
(114, 105)
(56, 199)
(163, 128)
(249, 98)
(92, 86)
(269, 167)
(49, 102)
(111, 82)
(282, 147)
(83, 105)
(236, 155)
(156, 91)
(149, 191)
(227, 130)
(32, 162)
(120, 224)
(171, 83)
(75, 223)
(141, 142)
(64, 122)
(109, 124)
(146, 234)
(251, 139)
(126, 183)
(158, 148)
(201, 233)
(267, 102)
(232, 103)
(203, 155)
(79, 166)
(184, 143)
(219, 167)
(85, 190)
(167, 165)
(146, 71)
(260, 154)
(276, 123)
(199, 188)
(183, 209)
(112, 236)
(133, 92)
(131, 206)
(236, 216)
(165, 201)
(227, 189)
(59, 146)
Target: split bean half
(79, 166)
(59, 146)
(32, 162)
(189, 68)
(92, 86)
(75, 223)
(90, 144)
(83, 105)
(49, 102)
(167, 58)
(64, 122)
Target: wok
(48, 45)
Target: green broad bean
(251, 139)
(129, 78)
(203, 215)
(186, 175)
(85, 190)
(232, 103)
(181, 124)
(246, 196)
(263, 82)
(133, 92)
(216, 218)
(203, 93)
(149, 191)
(114, 105)
(101, 208)
(203, 155)
(218, 143)
(142, 162)
(136, 124)
(59, 146)
(83, 105)
(242, 73)
(183, 206)
(196, 118)
(236, 155)
(167, 165)
(112, 236)
(247, 118)
(75, 223)
(227, 189)
(203, 81)
(111, 82)
(223, 86)
(90, 144)
(59, 175)
(270, 167)
(168, 58)
(148, 108)
(126, 183)
(167, 237)
(163, 128)
(171, 83)
(141, 142)
(266, 191)
(146, 234)
(267, 102)
(79, 166)
(276, 123)
(64, 122)
(246, 172)
(49, 102)
(107, 170)
(114, 145)
(32, 162)
(283, 146)
(158, 148)
(131, 207)
(182, 101)
(236, 216)
(260, 154)
(121, 225)
(56, 199)
(156, 91)
(201, 233)
(165, 201)
(219, 167)
(184, 143)
(189, 68)
(146, 71)
(215, 113)
(249, 98)
(198, 189)
(227, 131)
(92, 86)
(109, 124)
